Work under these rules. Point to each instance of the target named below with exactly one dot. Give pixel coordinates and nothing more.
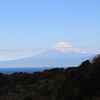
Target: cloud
(67, 48)
(11, 54)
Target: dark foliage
(74, 83)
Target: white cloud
(67, 48)
(12, 54)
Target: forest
(73, 83)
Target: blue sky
(29, 25)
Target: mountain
(73, 83)
(50, 58)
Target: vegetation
(74, 83)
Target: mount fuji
(50, 58)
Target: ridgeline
(74, 83)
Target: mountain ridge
(49, 58)
(73, 83)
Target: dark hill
(74, 83)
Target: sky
(29, 27)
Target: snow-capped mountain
(50, 58)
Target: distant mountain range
(50, 58)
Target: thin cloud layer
(18, 53)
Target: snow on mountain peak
(65, 47)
